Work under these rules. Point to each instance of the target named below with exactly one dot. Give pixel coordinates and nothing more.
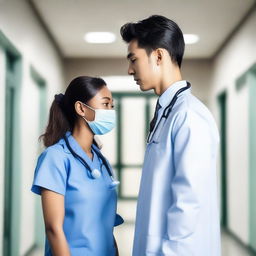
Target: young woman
(73, 178)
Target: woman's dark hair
(156, 32)
(63, 116)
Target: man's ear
(79, 108)
(159, 55)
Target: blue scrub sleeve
(50, 172)
(119, 220)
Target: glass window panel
(133, 130)
(130, 182)
(152, 104)
(108, 142)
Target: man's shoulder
(191, 112)
(188, 103)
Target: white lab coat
(177, 211)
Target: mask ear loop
(89, 108)
(87, 121)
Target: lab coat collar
(168, 94)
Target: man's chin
(143, 89)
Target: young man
(177, 212)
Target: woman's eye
(108, 104)
(133, 60)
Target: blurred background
(45, 43)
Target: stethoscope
(167, 111)
(95, 173)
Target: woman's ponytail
(58, 123)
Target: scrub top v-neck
(90, 204)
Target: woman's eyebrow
(106, 98)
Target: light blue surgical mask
(104, 121)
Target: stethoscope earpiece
(114, 183)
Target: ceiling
(68, 21)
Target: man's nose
(130, 70)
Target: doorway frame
(39, 223)
(248, 78)
(222, 104)
(13, 187)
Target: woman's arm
(53, 210)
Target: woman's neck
(84, 136)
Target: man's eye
(133, 60)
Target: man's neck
(169, 78)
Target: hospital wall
(230, 71)
(39, 63)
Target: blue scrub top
(90, 204)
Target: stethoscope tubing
(168, 109)
(86, 165)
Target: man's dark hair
(156, 32)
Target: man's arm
(192, 153)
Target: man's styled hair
(156, 32)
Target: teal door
(223, 158)
(12, 157)
(10, 92)
(39, 85)
(249, 79)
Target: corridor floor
(123, 234)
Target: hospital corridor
(44, 44)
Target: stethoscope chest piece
(96, 173)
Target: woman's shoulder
(53, 155)
(56, 150)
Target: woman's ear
(79, 108)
